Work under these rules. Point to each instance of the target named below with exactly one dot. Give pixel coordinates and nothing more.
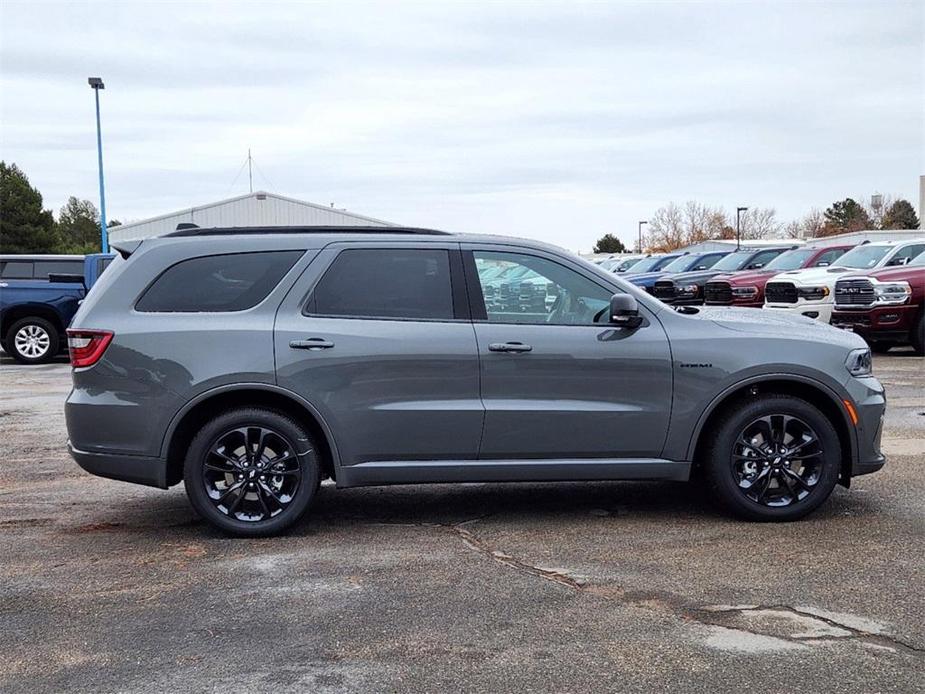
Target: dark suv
(251, 363)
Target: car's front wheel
(773, 457)
(252, 472)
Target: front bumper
(869, 400)
(821, 311)
(126, 468)
(884, 323)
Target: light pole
(739, 211)
(640, 234)
(96, 84)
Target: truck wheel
(251, 472)
(773, 458)
(917, 336)
(32, 341)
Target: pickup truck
(39, 295)
(886, 307)
(746, 288)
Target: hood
(745, 277)
(817, 275)
(773, 323)
(693, 277)
(645, 278)
(902, 272)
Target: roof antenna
(250, 173)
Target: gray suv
(252, 363)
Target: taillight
(87, 346)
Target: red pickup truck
(885, 307)
(746, 288)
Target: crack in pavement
(674, 604)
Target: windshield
(625, 265)
(790, 260)
(863, 257)
(733, 261)
(649, 264)
(681, 264)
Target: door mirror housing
(624, 311)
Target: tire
(731, 467)
(917, 336)
(242, 493)
(881, 347)
(32, 341)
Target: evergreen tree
(24, 226)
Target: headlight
(689, 289)
(858, 362)
(745, 292)
(892, 292)
(813, 292)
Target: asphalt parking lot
(644, 587)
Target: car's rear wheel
(252, 472)
(773, 458)
(32, 341)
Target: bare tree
(760, 223)
(672, 226)
(666, 229)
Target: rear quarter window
(44, 268)
(217, 283)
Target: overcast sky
(554, 121)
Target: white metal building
(852, 238)
(254, 209)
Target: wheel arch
(810, 390)
(185, 423)
(16, 313)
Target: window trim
(157, 277)
(458, 288)
(477, 298)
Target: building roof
(259, 208)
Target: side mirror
(822, 264)
(898, 261)
(756, 266)
(624, 311)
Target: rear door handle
(311, 343)
(509, 347)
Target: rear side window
(223, 283)
(43, 268)
(386, 283)
(16, 270)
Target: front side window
(233, 282)
(536, 290)
(763, 258)
(412, 284)
(905, 255)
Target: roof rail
(193, 230)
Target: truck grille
(717, 293)
(780, 293)
(854, 293)
(664, 290)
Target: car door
(377, 338)
(555, 383)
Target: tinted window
(16, 270)
(906, 254)
(386, 283)
(763, 258)
(43, 268)
(103, 264)
(543, 291)
(217, 282)
(829, 257)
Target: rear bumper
(126, 468)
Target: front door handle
(509, 347)
(311, 343)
